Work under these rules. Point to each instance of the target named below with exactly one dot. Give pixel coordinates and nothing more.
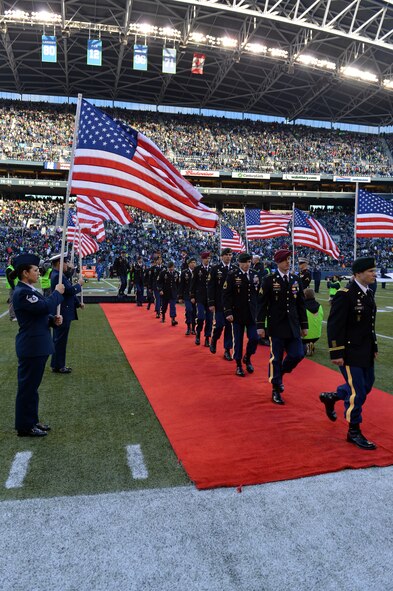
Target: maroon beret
(281, 255)
(205, 255)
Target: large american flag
(265, 224)
(114, 161)
(231, 239)
(83, 242)
(309, 232)
(374, 216)
(92, 213)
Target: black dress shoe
(207, 342)
(43, 427)
(240, 371)
(198, 339)
(227, 355)
(213, 347)
(249, 365)
(357, 438)
(329, 399)
(188, 332)
(174, 322)
(276, 396)
(157, 315)
(33, 432)
(61, 370)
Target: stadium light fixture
(309, 60)
(18, 15)
(357, 74)
(388, 84)
(197, 37)
(228, 42)
(45, 17)
(256, 48)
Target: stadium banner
(351, 179)
(49, 49)
(193, 172)
(198, 61)
(168, 61)
(57, 165)
(250, 175)
(140, 57)
(94, 52)
(301, 177)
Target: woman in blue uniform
(35, 315)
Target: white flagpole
(80, 260)
(219, 229)
(68, 192)
(245, 228)
(293, 238)
(355, 220)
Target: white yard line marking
(18, 469)
(136, 462)
(4, 314)
(383, 336)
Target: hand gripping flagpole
(68, 192)
(355, 220)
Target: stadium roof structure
(312, 59)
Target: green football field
(100, 409)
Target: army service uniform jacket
(283, 307)
(185, 284)
(168, 283)
(305, 278)
(215, 284)
(199, 284)
(351, 326)
(240, 296)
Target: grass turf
(100, 408)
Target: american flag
(92, 212)
(231, 239)
(374, 216)
(265, 224)
(114, 161)
(309, 232)
(83, 243)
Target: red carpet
(225, 429)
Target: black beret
(244, 257)
(362, 264)
(26, 259)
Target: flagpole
(293, 237)
(245, 227)
(68, 192)
(219, 229)
(80, 260)
(355, 220)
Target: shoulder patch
(32, 299)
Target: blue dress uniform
(199, 293)
(137, 275)
(352, 337)
(215, 285)
(184, 294)
(240, 298)
(282, 304)
(68, 311)
(168, 284)
(33, 346)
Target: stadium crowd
(35, 227)
(43, 132)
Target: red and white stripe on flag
(198, 61)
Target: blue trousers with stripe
(190, 312)
(293, 347)
(157, 300)
(204, 318)
(358, 383)
(238, 336)
(222, 324)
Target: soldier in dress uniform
(168, 285)
(305, 273)
(184, 295)
(198, 294)
(155, 270)
(353, 348)
(240, 297)
(215, 284)
(122, 267)
(68, 311)
(35, 315)
(149, 291)
(137, 276)
(281, 302)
